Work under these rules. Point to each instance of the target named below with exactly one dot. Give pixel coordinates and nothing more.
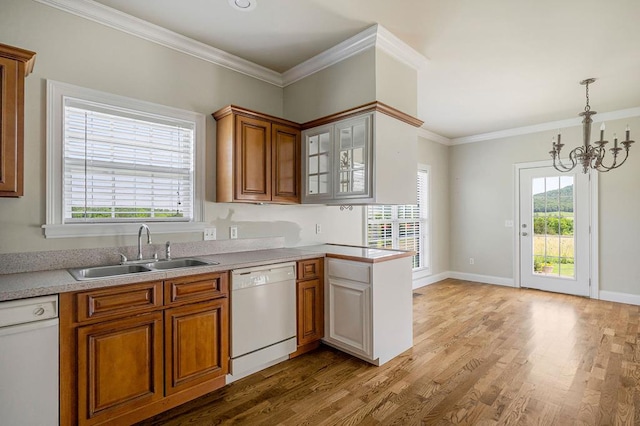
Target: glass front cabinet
(338, 161)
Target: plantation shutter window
(122, 165)
(402, 227)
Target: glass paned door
(352, 152)
(554, 230)
(319, 162)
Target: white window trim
(426, 271)
(54, 226)
(418, 273)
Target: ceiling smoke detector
(243, 5)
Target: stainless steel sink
(178, 263)
(81, 274)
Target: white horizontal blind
(402, 227)
(123, 166)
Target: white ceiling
(493, 64)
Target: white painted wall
(481, 184)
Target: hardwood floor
(482, 355)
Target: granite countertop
(357, 253)
(39, 283)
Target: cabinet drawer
(120, 300)
(353, 271)
(196, 288)
(309, 269)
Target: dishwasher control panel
(28, 310)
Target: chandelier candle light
(590, 156)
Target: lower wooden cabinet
(310, 305)
(130, 352)
(196, 344)
(310, 311)
(120, 367)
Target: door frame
(593, 202)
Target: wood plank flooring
(482, 355)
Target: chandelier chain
(587, 107)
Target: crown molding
(341, 51)
(374, 36)
(399, 49)
(123, 22)
(428, 134)
(543, 127)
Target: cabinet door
(253, 159)
(318, 148)
(119, 367)
(353, 157)
(350, 315)
(11, 128)
(285, 164)
(310, 311)
(196, 344)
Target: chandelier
(587, 155)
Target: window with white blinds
(115, 162)
(403, 227)
(123, 166)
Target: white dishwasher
(29, 362)
(263, 317)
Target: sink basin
(178, 263)
(81, 274)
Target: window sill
(114, 229)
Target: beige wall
(436, 156)
(84, 53)
(81, 52)
(396, 83)
(347, 84)
(482, 198)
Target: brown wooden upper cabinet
(15, 65)
(258, 157)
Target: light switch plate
(233, 232)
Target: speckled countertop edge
(32, 284)
(41, 283)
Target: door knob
(524, 234)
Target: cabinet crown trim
(371, 106)
(233, 109)
(18, 54)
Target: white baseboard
(431, 279)
(609, 296)
(487, 279)
(614, 296)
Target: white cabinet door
(350, 315)
(353, 158)
(317, 164)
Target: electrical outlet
(471, 261)
(508, 223)
(209, 234)
(318, 228)
(233, 232)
